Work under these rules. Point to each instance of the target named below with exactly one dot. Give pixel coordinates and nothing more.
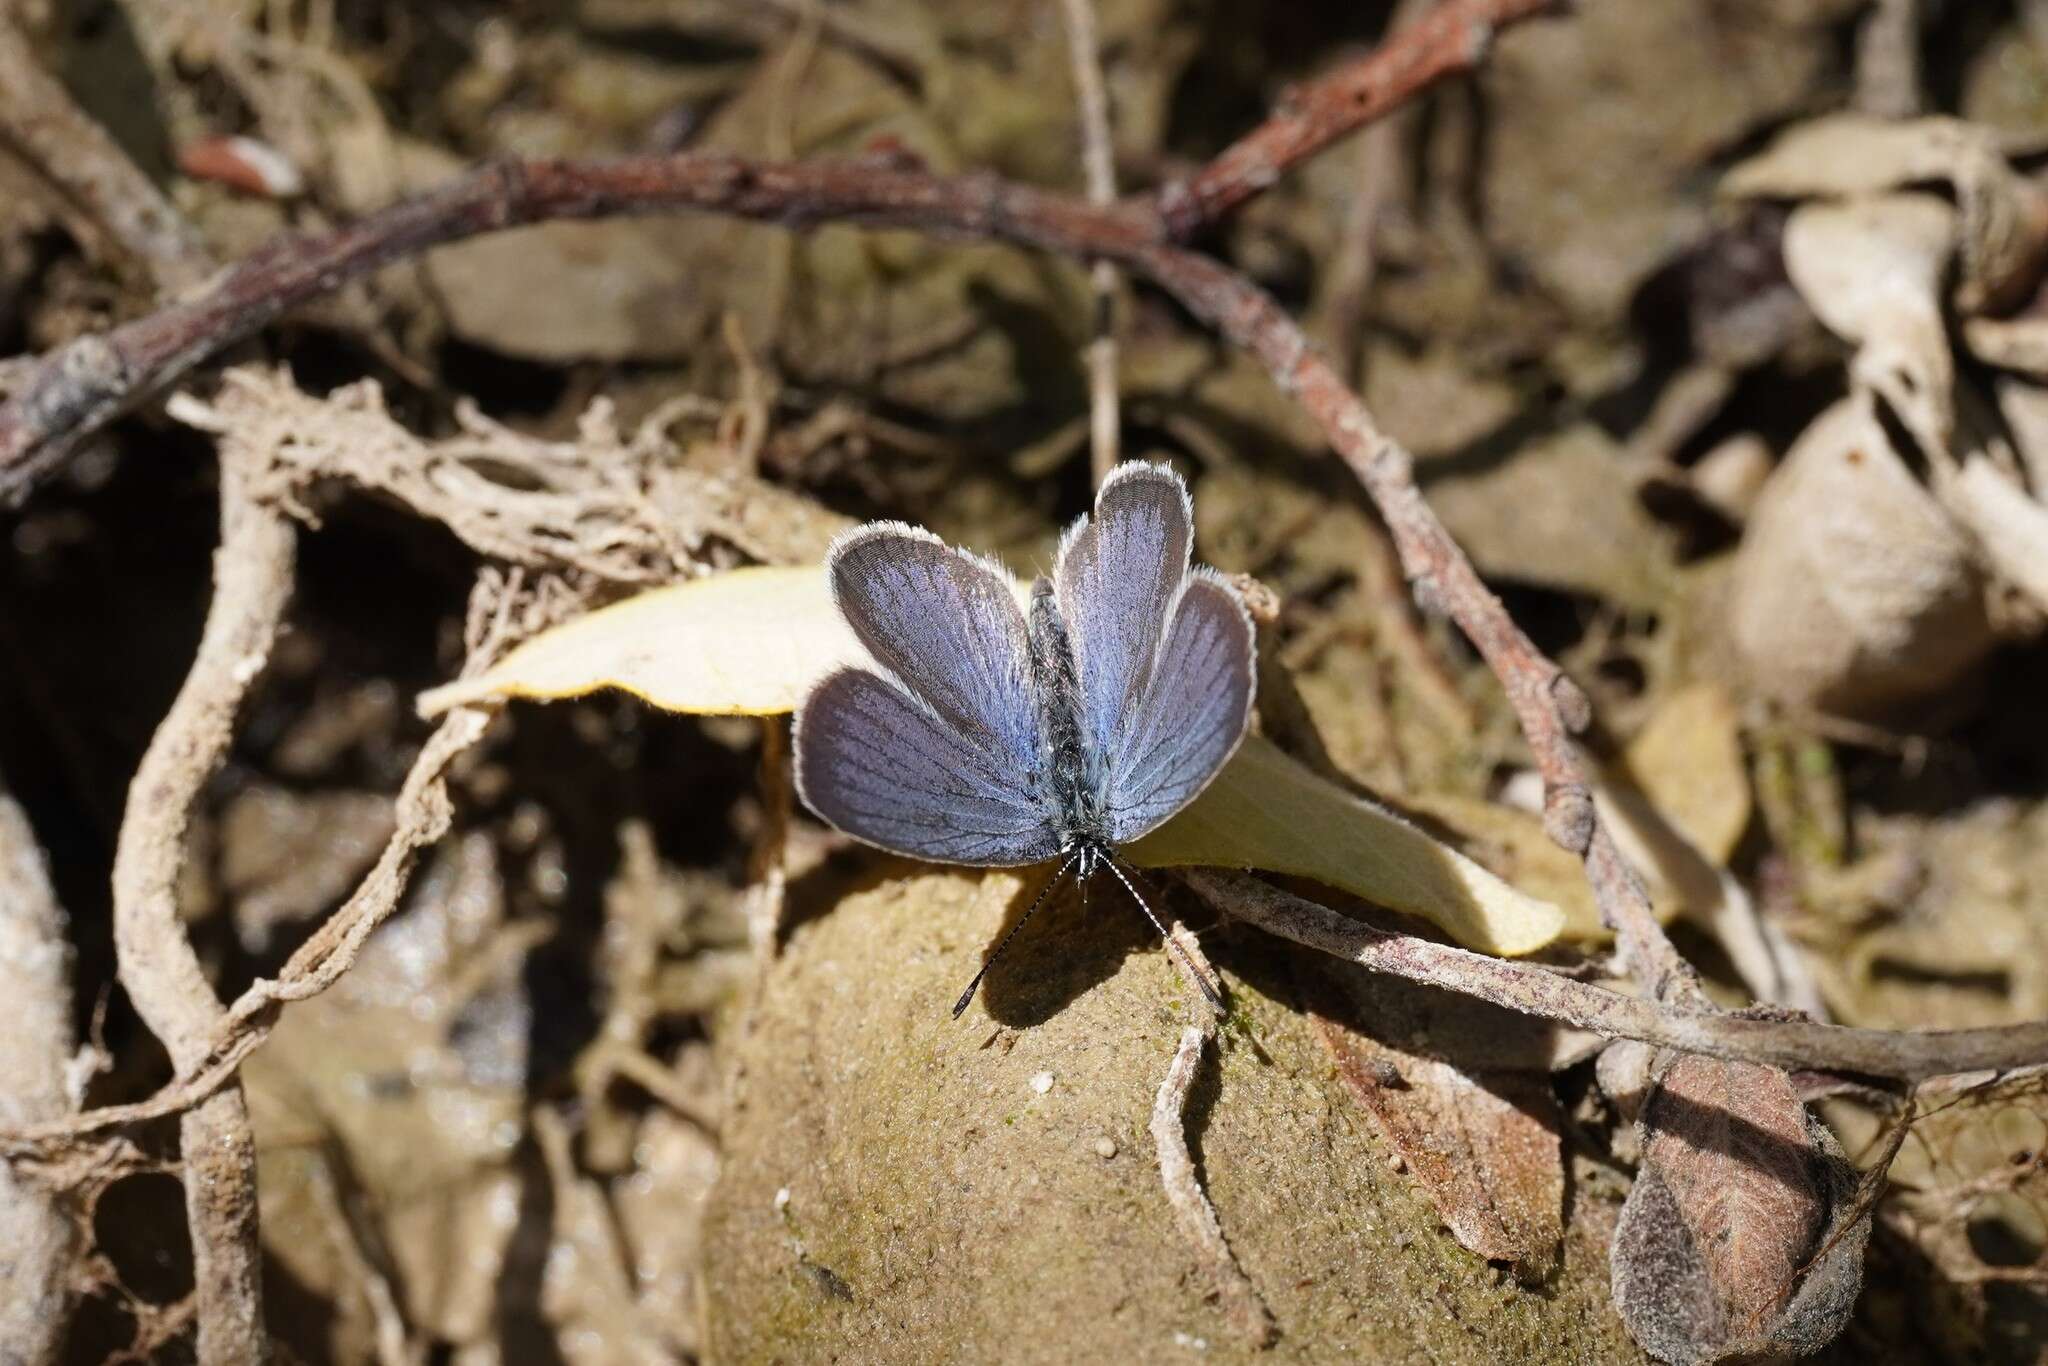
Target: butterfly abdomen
(1072, 769)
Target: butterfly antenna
(960, 1006)
(1115, 865)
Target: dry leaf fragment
(2003, 227)
(1483, 1146)
(1872, 270)
(1726, 1247)
(1481, 1134)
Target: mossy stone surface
(942, 1207)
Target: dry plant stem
(889, 52)
(767, 875)
(424, 813)
(1888, 60)
(38, 1236)
(1098, 161)
(1694, 1028)
(1241, 1303)
(1451, 39)
(40, 124)
(252, 582)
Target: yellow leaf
(752, 641)
(1268, 811)
(748, 642)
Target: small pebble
(1042, 1083)
(1105, 1147)
(782, 1200)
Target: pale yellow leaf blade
(752, 641)
(1268, 811)
(748, 642)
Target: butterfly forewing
(946, 624)
(884, 768)
(1191, 716)
(1118, 577)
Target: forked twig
(1241, 1303)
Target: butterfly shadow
(1078, 939)
(1069, 946)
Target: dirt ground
(1717, 331)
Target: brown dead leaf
(1481, 1141)
(1725, 1248)
(1687, 759)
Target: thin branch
(41, 124)
(73, 391)
(38, 1234)
(78, 386)
(1905, 1055)
(1450, 40)
(252, 582)
(1098, 160)
(1241, 1303)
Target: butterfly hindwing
(885, 768)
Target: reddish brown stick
(1451, 39)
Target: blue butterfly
(989, 737)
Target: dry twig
(1241, 1303)
(1451, 39)
(1098, 160)
(118, 204)
(38, 1234)
(253, 572)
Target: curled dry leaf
(1727, 1247)
(2004, 222)
(2017, 343)
(1872, 269)
(752, 641)
(1852, 591)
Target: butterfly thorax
(1072, 767)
